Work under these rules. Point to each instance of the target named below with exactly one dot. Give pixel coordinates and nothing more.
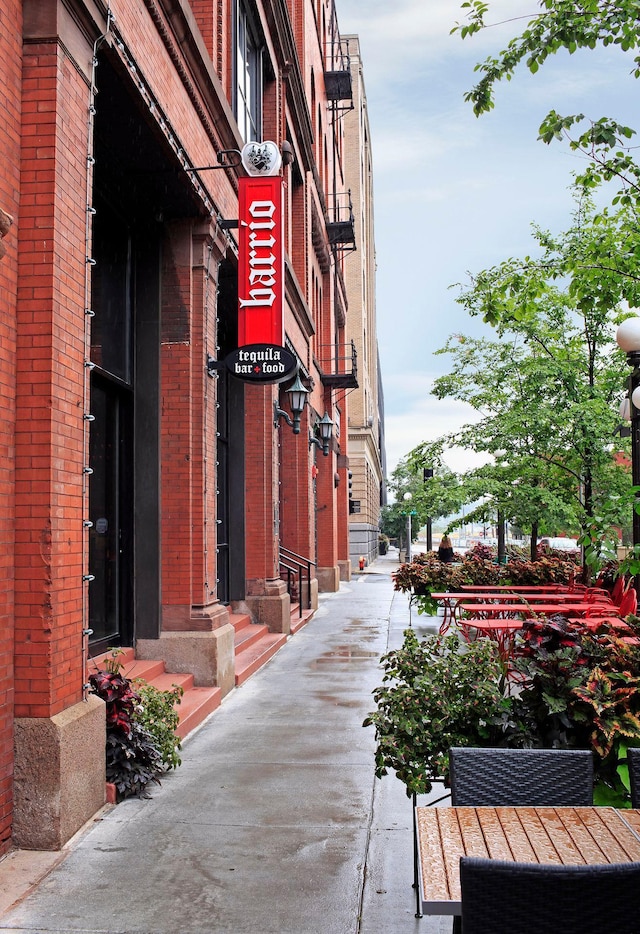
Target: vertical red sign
(260, 261)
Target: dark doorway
(138, 187)
(110, 511)
(230, 437)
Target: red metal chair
(619, 589)
(629, 603)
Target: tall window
(248, 76)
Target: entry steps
(254, 646)
(196, 703)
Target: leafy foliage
(157, 714)
(574, 688)
(433, 697)
(570, 25)
(580, 688)
(141, 741)
(426, 575)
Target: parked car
(561, 544)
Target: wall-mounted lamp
(297, 398)
(325, 427)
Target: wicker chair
(491, 777)
(518, 898)
(633, 758)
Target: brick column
(10, 78)
(57, 735)
(327, 523)
(266, 594)
(297, 473)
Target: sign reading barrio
(260, 261)
(262, 363)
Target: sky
(454, 193)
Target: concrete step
(196, 703)
(298, 620)
(254, 645)
(249, 658)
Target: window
(248, 76)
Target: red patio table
(493, 610)
(501, 631)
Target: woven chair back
(491, 777)
(515, 898)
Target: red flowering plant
(426, 574)
(581, 689)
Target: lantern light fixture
(325, 429)
(297, 393)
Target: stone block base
(59, 780)
(271, 610)
(344, 568)
(328, 579)
(208, 656)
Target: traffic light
(427, 474)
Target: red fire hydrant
(361, 562)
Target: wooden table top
(571, 836)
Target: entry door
(110, 511)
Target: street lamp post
(407, 498)
(427, 474)
(628, 339)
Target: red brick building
(148, 498)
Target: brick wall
(50, 384)
(10, 90)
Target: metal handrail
(296, 565)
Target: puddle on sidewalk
(344, 653)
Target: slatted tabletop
(571, 836)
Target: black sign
(262, 363)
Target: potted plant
(141, 742)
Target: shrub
(434, 695)
(157, 715)
(570, 688)
(579, 688)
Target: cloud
(425, 418)
(453, 192)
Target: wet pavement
(275, 822)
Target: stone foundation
(208, 656)
(59, 778)
(328, 579)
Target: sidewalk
(274, 823)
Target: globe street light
(628, 339)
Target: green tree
(548, 390)
(570, 25)
(439, 495)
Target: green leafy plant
(157, 715)
(435, 694)
(141, 742)
(568, 687)
(426, 575)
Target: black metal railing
(295, 570)
(344, 367)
